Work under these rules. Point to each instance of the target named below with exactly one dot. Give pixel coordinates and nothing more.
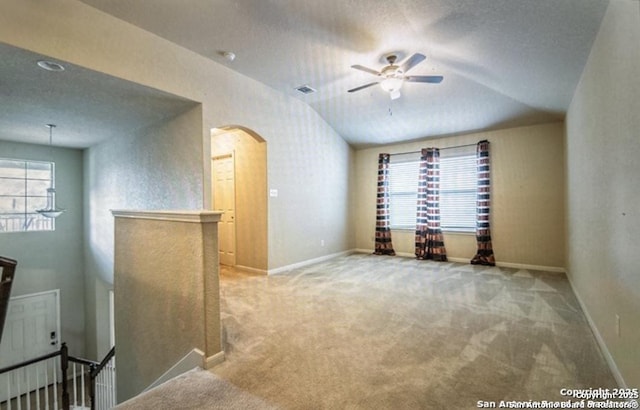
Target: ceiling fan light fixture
(391, 84)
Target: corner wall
(603, 187)
(155, 168)
(527, 196)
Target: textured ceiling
(87, 107)
(505, 62)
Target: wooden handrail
(103, 363)
(94, 370)
(32, 361)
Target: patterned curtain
(383, 233)
(429, 240)
(483, 232)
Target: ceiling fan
(393, 76)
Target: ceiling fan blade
(362, 87)
(434, 79)
(365, 69)
(412, 62)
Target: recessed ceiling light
(50, 65)
(228, 55)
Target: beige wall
(603, 169)
(250, 156)
(165, 265)
(308, 162)
(527, 167)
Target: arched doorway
(239, 183)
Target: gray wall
(53, 260)
(603, 187)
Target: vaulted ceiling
(505, 62)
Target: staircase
(59, 381)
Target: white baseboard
(214, 360)
(599, 339)
(467, 260)
(556, 269)
(251, 270)
(191, 360)
(309, 262)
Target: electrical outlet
(321, 242)
(617, 325)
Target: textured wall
(154, 168)
(53, 260)
(527, 167)
(308, 162)
(163, 269)
(603, 223)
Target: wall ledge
(193, 216)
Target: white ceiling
(86, 106)
(505, 63)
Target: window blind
(403, 194)
(458, 181)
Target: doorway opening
(239, 189)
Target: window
(458, 185)
(23, 189)
(403, 194)
(458, 180)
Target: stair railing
(37, 384)
(103, 382)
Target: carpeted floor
(378, 332)
(196, 389)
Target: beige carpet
(196, 389)
(379, 332)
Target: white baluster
(19, 391)
(37, 386)
(55, 384)
(83, 386)
(28, 391)
(46, 385)
(9, 391)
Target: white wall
(603, 186)
(53, 260)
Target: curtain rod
(457, 146)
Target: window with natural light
(23, 189)
(457, 193)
